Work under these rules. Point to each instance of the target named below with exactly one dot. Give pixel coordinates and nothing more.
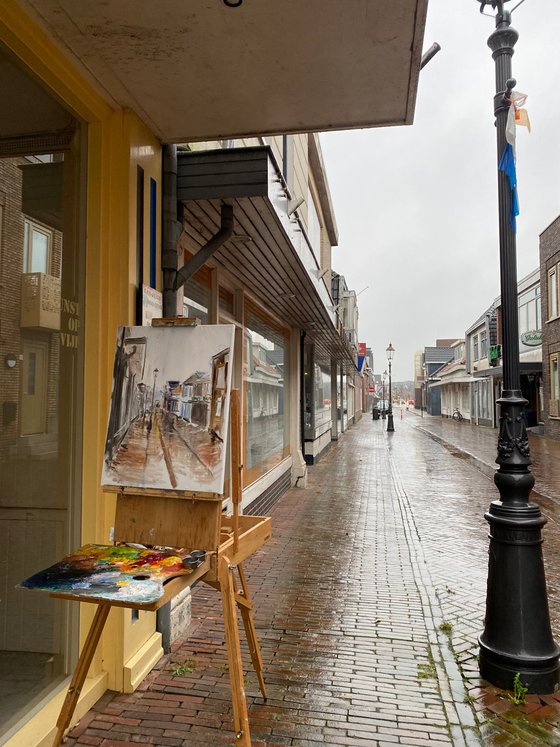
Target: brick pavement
(369, 599)
(535, 722)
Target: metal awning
(534, 367)
(458, 380)
(199, 70)
(269, 254)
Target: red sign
(371, 389)
(361, 348)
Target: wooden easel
(192, 521)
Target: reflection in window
(196, 298)
(40, 437)
(36, 248)
(226, 302)
(530, 311)
(31, 368)
(317, 416)
(266, 413)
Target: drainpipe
(171, 230)
(173, 278)
(302, 389)
(205, 252)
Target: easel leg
(249, 625)
(80, 673)
(240, 717)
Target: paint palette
(122, 574)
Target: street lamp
(517, 637)
(390, 425)
(383, 413)
(151, 420)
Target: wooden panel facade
(235, 172)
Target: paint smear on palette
(111, 572)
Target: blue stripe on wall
(153, 204)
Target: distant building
(478, 337)
(484, 351)
(418, 379)
(455, 384)
(550, 306)
(434, 358)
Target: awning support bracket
(211, 247)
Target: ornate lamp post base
(517, 637)
(390, 423)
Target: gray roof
(438, 355)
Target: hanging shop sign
(532, 338)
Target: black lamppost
(383, 411)
(151, 419)
(390, 424)
(517, 637)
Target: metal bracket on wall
(205, 252)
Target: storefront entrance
(41, 391)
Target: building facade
(434, 358)
(484, 350)
(455, 384)
(92, 215)
(550, 309)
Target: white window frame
(29, 227)
(554, 376)
(552, 297)
(483, 343)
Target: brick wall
(549, 257)
(11, 266)
(11, 334)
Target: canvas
(169, 412)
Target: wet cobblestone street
(369, 600)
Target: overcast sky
(416, 207)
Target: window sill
(553, 319)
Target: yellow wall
(117, 142)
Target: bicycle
(457, 415)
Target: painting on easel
(168, 418)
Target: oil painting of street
(169, 410)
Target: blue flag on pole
(507, 165)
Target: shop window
(226, 303)
(196, 296)
(553, 293)
(483, 405)
(265, 359)
(530, 310)
(483, 345)
(37, 244)
(317, 416)
(40, 437)
(554, 386)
